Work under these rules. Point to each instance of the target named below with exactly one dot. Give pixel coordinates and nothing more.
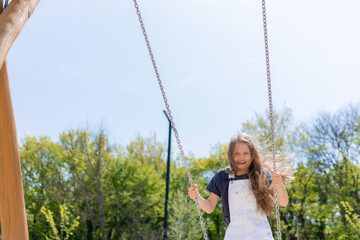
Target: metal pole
(167, 178)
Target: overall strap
(232, 177)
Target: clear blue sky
(79, 62)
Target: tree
(352, 218)
(44, 180)
(66, 226)
(184, 220)
(117, 194)
(87, 156)
(135, 191)
(118, 191)
(284, 129)
(332, 152)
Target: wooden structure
(12, 203)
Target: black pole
(167, 178)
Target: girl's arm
(208, 205)
(282, 193)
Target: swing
(176, 132)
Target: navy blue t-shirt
(219, 185)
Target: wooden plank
(12, 203)
(12, 21)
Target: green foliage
(66, 225)
(54, 234)
(87, 157)
(352, 218)
(184, 220)
(44, 180)
(147, 151)
(284, 130)
(136, 197)
(96, 190)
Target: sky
(85, 63)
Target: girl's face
(242, 158)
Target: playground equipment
(267, 59)
(12, 203)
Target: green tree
(184, 220)
(65, 228)
(44, 180)
(87, 156)
(117, 192)
(332, 153)
(352, 218)
(284, 129)
(136, 190)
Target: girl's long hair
(259, 172)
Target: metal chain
(271, 114)
(170, 116)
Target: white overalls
(245, 222)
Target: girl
(247, 191)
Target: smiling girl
(247, 191)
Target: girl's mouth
(241, 163)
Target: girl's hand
(193, 192)
(276, 179)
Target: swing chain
(170, 117)
(271, 114)
(173, 123)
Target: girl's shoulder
(221, 175)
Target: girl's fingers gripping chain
(276, 178)
(193, 192)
